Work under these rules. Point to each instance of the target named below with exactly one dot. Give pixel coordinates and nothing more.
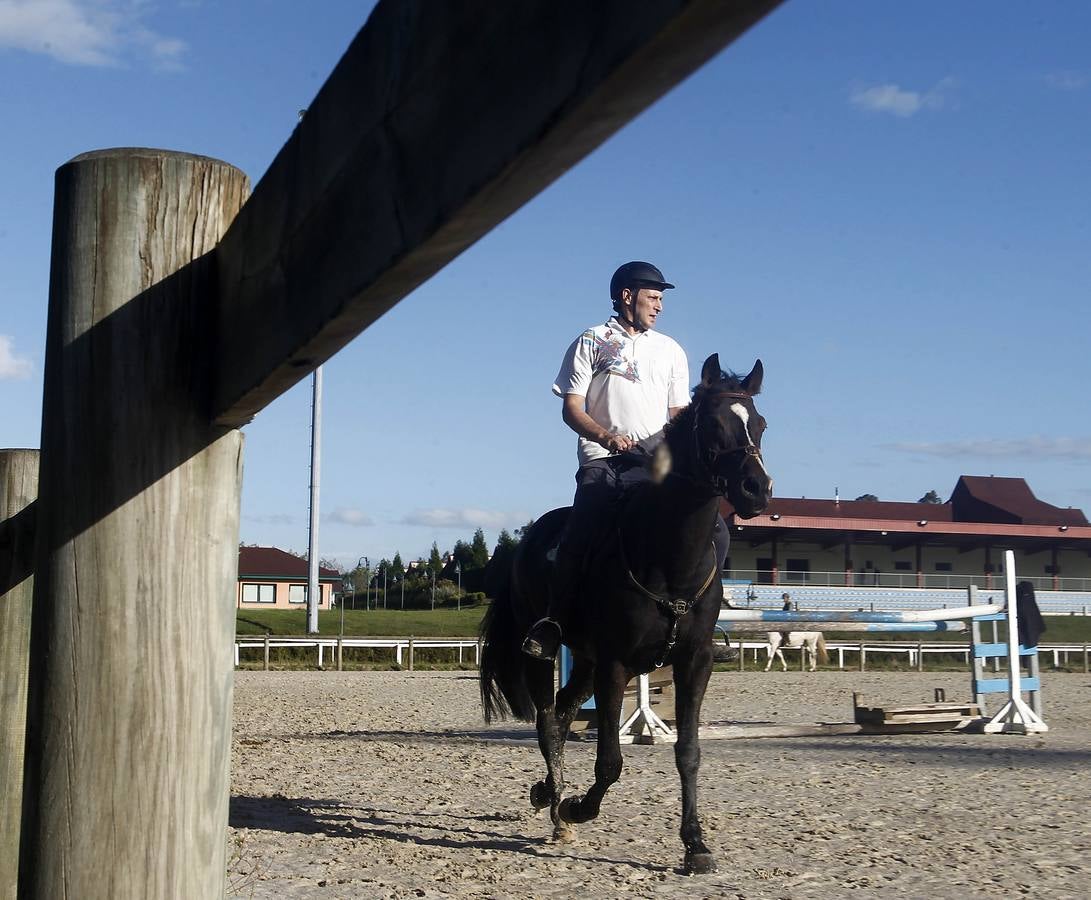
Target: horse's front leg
(610, 680)
(691, 674)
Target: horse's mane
(728, 381)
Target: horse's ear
(711, 372)
(752, 382)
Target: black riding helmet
(637, 274)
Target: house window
(259, 593)
(943, 567)
(297, 593)
(903, 565)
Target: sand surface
(388, 785)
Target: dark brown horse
(651, 596)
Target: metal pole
(384, 587)
(433, 590)
(458, 598)
(403, 592)
(313, 595)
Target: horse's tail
(820, 645)
(503, 664)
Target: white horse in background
(812, 642)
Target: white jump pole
(1016, 716)
(644, 718)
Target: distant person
(787, 607)
(620, 383)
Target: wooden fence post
(129, 705)
(410, 653)
(863, 657)
(920, 656)
(18, 489)
(265, 667)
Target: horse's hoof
(564, 833)
(539, 795)
(569, 810)
(699, 864)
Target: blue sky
(885, 202)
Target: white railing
(403, 648)
(914, 650)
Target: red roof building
(273, 579)
(953, 544)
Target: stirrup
(542, 642)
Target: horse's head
(718, 438)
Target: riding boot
(543, 641)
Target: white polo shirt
(629, 382)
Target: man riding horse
(620, 383)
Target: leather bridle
(708, 459)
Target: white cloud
(272, 519)
(12, 367)
(355, 517)
(1068, 80)
(890, 98)
(86, 32)
(996, 448)
(466, 517)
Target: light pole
(433, 571)
(384, 587)
(361, 563)
(403, 592)
(458, 572)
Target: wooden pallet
(938, 716)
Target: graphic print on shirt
(609, 357)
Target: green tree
(871, 497)
(505, 543)
(479, 551)
(463, 554)
(435, 561)
(521, 533)
(930, 497)
(397, 569)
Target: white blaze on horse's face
(741, 411)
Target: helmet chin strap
(628, 320)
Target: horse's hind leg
(610, 681)
(691, 675)
(554, 718)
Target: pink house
(272, 579)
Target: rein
(675, 608)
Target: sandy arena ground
(385, 785)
